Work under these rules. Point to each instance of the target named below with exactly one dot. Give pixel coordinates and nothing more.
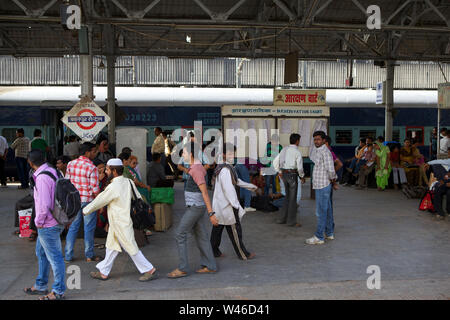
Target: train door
(416, 134)
(53, 126)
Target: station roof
(316, 29)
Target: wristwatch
(211, 214)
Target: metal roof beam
(226, 15)
(292, 16)
(435, 9)
(397, 11)
(205, 9)
(21, 6)
(360, 6)
(323, 7)
(122, 8)
(309, 16)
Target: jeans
(244, 175)
(195, 219)
(22, 171)
(270, 180)
(90, 222)
(49, 253)
(324, 212)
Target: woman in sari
(383, 168)
(408, 156)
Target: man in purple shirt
(48, 244)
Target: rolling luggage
(163, 216)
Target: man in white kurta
(226, 205)
(117, 196)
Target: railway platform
(381, 229)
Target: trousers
(234, 233)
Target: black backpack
(67, 199)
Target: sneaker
(314, 240)
(329, 237)
(249, 209)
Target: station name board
(275, 111)
(299, 97)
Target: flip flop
(94, 259)
(35, 291)
(54, 295)
(176, 274)
(205, 270)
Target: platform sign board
(299, 97)
(381, 93)
(444, 95)
(86, 119)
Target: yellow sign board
(276, 111)
(299, 97)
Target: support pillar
(388, 124)
(86, 71)
(111, 99)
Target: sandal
(205, 270)
(98, 275)
(53, 296)
(35, 291)
(149, 276)
(99, 246)
(148, 232)
(176, 274)
(94, 259)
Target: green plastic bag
(162, 195)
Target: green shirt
(39, 143)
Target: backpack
(67, 199)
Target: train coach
(353, 113)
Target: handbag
(140, 212)
(426, 204)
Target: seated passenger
(397, 170)
(369, 160)
(408, 157)
(359, 160)
(156, 177)
(259, 181)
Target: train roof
(49, 96)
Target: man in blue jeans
(84, 176)
(324, 179)
(244, 175)
(48, 244)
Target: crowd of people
(106, 185)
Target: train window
(416, 134)
(344, 136)
(9, 134)
(368, 133)
(396, 135)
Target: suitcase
(163, 216)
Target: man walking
(21, 147)
(117, 196)
(84, 176)
(3, 153)
(48, 244)
(324, 178)
(289, 165)
(195, 218)
(38, 142)
(226, 205)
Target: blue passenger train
(350, 119)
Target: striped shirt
(323, 171)
(84, 176)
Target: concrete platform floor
(372, 228)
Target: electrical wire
(200, 44)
